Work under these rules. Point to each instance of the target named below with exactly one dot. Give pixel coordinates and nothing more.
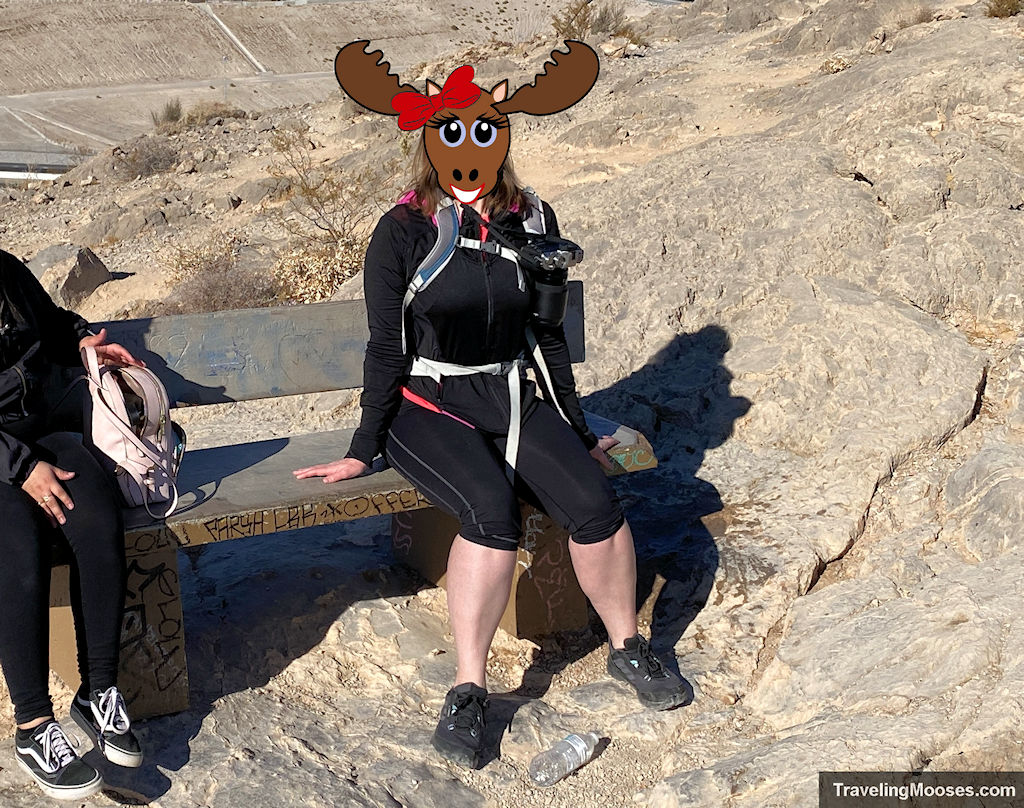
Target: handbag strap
(91, 362)
(141, 483)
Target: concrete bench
(233, 492)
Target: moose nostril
(458, 175)
(473, 175)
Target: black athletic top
(473, 313)
(35, 335)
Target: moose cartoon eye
(483, 132)
(453, 133)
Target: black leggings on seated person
(95, 535)
(461, 470)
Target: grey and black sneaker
(460, 730)
(637, 665)
(46, 754)
(104, 718)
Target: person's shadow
(680, 400)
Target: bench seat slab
(232, 492)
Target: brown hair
(428, 194)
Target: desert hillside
(804, 226)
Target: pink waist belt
(428, 405)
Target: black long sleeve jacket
(35, 334)
(473, 313)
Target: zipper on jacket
(490, 303)
(24, 389)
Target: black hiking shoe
(460, 730)
(637, 665)
(104, 719)
(47, 756)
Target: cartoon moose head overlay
(467, 135)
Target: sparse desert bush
(1004, 8)
(919, 15)
(923, 14)
(314, 271)
(576, 20)
(169, 123)
(170, 114)
(214, 276)
(610, 18)
(327, 215)
(144, 157)
(836, 64)
(323, 204)
(202, 112)
(583, 18)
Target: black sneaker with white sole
(104, 718)
(637, 665)
(46, 754)
(459, 734)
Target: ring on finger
(47, 498)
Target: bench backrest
(264, 353)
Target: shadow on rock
(681, 401)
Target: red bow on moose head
(415, 109)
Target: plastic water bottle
(563, 758)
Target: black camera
(546, 260)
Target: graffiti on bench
(632, 458)
(293, 517)
(152, 632)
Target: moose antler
(559, 86)
(367, 78)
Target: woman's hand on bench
(600, 452)
(344, 469)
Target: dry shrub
(575, 21)
(324, 205)
(144, 157)
(1004, 8)
(211, 277)
(203, 111)
(919, 15)
(314, 271)
(327, 215)
(583, 18)
(170, 114)
(923, 14)
(196, 115)
(835, 64)
(609, 19)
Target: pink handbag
(128, 424)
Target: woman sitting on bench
(444, 397)
(53, 492)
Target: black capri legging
(94, 533)
(462, 471)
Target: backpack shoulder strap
(438, 257)
(534, 221)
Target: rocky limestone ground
(803, 223)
